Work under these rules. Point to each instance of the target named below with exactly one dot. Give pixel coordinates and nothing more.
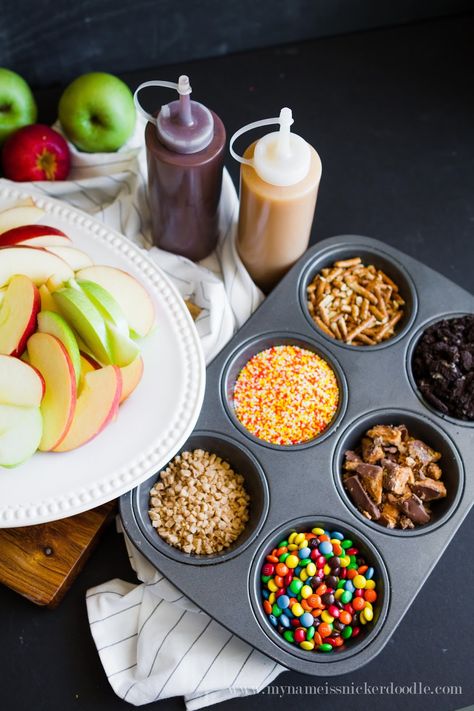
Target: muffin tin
(293, 487)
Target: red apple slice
(51, 358)
(37, 264)
(34, 236)
(127, 292)
(18, 216)
(131, 376)
(76, 258)
(18, 313)
(20, 384)
(96, 406)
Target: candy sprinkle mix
(318, 591)
(286, 395)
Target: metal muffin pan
(293, 487)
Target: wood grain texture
(41, 562)
(56, 40)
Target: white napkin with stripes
(153, 642)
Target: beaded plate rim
(164, 445)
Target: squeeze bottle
(279, 181)
(185, 154)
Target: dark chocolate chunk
(414, 509)
(429, 489)
(360, 497)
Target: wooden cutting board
(41, 562)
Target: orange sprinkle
(286, 395)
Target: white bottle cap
(281, 157)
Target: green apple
(123, 349)
(97, 112)
(83, 316)
(106, 304)
(54, 323)
(17, 104)
(21, 430)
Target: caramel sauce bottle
(279, 183)
(185, 156)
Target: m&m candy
(318, 590)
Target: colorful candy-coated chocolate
(292, 561)
(318, 590)
(307, 619)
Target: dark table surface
(391, 114)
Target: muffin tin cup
(380, 260)
(427, 431)
(408, 364)
(300, 484)
(247, 350)
(368, 632)
(242, 462)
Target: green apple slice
(83, 317)
(122, 348)
(105, 304)
(55, 324)
(21, 429)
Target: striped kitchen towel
(155, 643)
(152, 641)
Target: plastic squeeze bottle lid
(281, 157)
(183, 126)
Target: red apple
(34, 236)
(36, 152)
(49, 356)
(38, 264)
(96, 406)
(18, 312)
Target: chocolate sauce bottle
(185, 155)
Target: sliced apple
(76, 258)
(131, 376)
(20, 384)
(3, 291)
(56, 325)
(123, 349)
(37, 264)
(128, 293)
(106, 304)
(34, 236)
(18, 312)
(87, 366)
(19, 215)
(20, 434)
(96, 406)
(47, 301)
(51, 358)
(86, 320)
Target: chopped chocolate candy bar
(361, 498)
(414, 509)
(391, 477)
(429, 489)
(372, 476)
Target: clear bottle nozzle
(283, 147)
(281, 157)
(184, 126)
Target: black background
(55, 40)
(391, 114)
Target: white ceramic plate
(151, 425)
